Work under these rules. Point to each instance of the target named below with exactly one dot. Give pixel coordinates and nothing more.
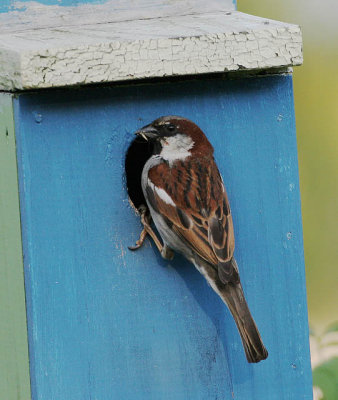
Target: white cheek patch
(162, 194)
(176, 147)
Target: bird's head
(176, 137)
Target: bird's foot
(147, 230)
(167, 253)
(145, 220)
(139, 243)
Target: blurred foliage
(316, 103)
(325, 377)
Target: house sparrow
(188, 203)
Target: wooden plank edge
(14, 359)
(94, 54)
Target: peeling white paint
(94, 49)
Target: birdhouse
(82, 316)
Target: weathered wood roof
(51, 46)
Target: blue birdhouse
(83, 316)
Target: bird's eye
(171, 127)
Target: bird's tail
(228, 286)
(232, 294)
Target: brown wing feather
(202, 216)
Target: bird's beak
(147, 132)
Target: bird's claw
(145, 221)
(167, 253)
(147, 230)
(137, 246)
(139, 243)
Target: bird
(187, 201)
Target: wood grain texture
(106, 323)
(14, 366)
(63, 46)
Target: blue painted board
(11, 5)
(106, 323)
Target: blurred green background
(316, 103)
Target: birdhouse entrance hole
(137, 155)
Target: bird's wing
(192, 199)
